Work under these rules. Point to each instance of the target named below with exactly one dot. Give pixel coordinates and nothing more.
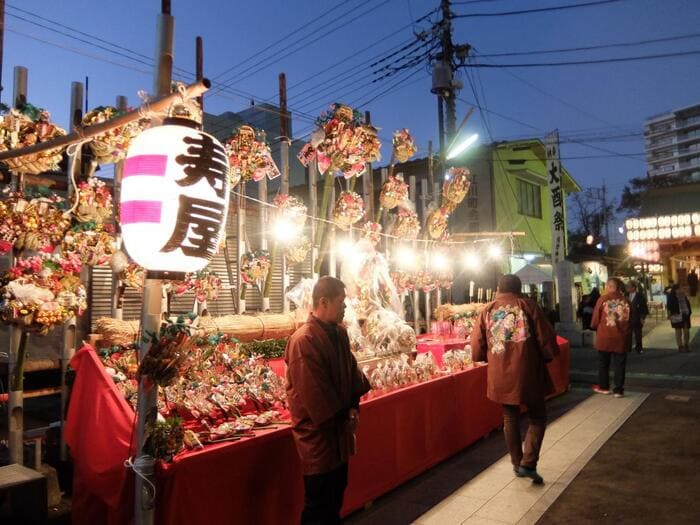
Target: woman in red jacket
(611, 320)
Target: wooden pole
(416, 294)
(161, 104)
(313, 212)
(285, 133)
(2, 42)
(117, 284)
(199, 70)
(240, 220)
(332, 254)
(262, 196)
(18, 337)
(152, 310)
(69, 325)
(368, 181)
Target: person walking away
(638, 313)
(611, 321)
(514, 336)
(324, 387)
(679, 311)
(588, 306)
(693, 282)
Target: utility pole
(448, 57)
(2, 40)
(444, 84)
(605, 216)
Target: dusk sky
(598, 108)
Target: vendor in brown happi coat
(513, 334)
(324, 386)
(611, 321)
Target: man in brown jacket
(514, 336)
(611, 321)
(324, 386)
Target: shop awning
(530, 274)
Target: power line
(356, 53)
(311, 21)
(250, 70)
(550, 95)
(589, 48)
(586, 62)
(537, 10)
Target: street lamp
(462, 146)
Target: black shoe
(640, 351)
(527, 472)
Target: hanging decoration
(174, 197)
(24, 127)
(437, 222)
(94, 201)
(342, 143)
(290, 208)
(407, 224)
(39, 293)
(394, 192)
(372, 231)
(254, 266)
(349, 209)
(455, 187)
(405, 281)
(296, 252)
(167, 352)
(94, 244)
(403, 144)
(205, 284)
(111, 147)
(36, 224)
(249, 156)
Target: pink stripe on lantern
(145, 165)
(139, 211)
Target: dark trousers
(619, 363)
(323, 496)
(528, 455)
(637, 335)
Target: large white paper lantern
(174, 197)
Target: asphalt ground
(647, 472)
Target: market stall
(403, 433)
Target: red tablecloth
(258, 480)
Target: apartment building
(673, 143)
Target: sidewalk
(496, 496)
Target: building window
(529, 200)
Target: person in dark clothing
(516, 339)
(693, 283)
(324, 386)
(679, 311)
(611, 321)
(638, 313)
(588, 304)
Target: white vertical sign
(554, 175)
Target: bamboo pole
(69, 325)
(284, 167)
(416, 293)
(152, 310)
(117, 285)
(18, 337)
(161, 104)
(313, 211)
